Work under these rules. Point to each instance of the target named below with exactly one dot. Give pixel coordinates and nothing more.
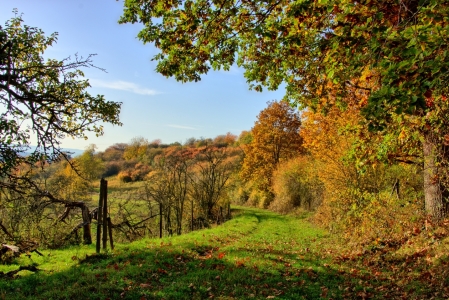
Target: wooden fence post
(110, 233)
(105, 216)
(100, 216)
(87, 235)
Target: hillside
(258, 254)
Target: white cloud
(123, 86)
(182, 127)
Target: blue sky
(154, 107)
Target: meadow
(257, 255)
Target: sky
(154, 107)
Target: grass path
(256, 255)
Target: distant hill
(73, 152)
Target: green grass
(256, 255)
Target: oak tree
(43, 102)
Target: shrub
(373, 209)
(296, 184)
(139, 172)
(112, 169)
(125, 176)
(259, 198)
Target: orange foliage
(275, 137)
(357, 198)
(328, 138)
(137, 173)
(225, 140)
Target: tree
(212, 171)
(224, 140)
(275, 137)
(244, 138)
(91, 166)
(114, 152)
(73, 179)
(168, 184)
(136, 149)
(175, 165)
(43, 102)
(308, 44)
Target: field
(256, 255)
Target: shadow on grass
(261, 216)
(169, 273)
(206, 265)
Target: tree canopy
(43, 101)
(305, 44)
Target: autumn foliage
(275, 138)
(296, 184)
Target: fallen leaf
(324, 291)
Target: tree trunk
(160, 220)
(179, 224)
(192, 219)
(100, 216)
(168, 222)
(433, 191)
(111, 242)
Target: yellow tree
(275, 137)
(136, 149)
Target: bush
(112, 169)
(125, 176)
(296, 184)
(372, 209)
(259, 198)
(137, 173)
